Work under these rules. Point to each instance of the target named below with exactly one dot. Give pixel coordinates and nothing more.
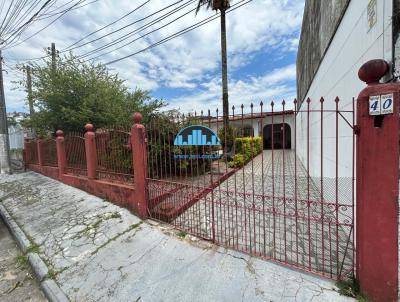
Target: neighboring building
(337, 37)
(16, 135)
(258, 124)
(16, 132)
(17, 116)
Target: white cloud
(270, 87)
(189, 62)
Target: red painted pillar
(61, 156)
(139, 154)
(90, 149)
(377, 185)
(39, 144)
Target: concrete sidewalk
(97, 251)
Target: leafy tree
(77, 93)
(222, 6)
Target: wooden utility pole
(53, 57)
(29, 89)
(5, 165)
(30, 98)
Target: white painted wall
(353, 44)
(256, 124)
(16, 137)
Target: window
(246, 131)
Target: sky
(185, 72)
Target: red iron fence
(284, 192)
(49, 152)
(75, 153)
(277, 183)
(114, 154)
(31, 152)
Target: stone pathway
(97, 251)
(265, 209)
(16, 279)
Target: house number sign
(381, 104)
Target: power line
(181, 32)
(39, 31)
(134, 32)
(50, 15)
(22, 17)
(112, 23)
(123, 27)
(71, 47)
(16, 32)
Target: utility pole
(30, 98)
(53, 57)
(5, 165)
(29, 89)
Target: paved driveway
(279, 213)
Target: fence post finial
(139, 159)
(137, 117)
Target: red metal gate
(282, 188)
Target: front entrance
(277, 136)
(261, 202)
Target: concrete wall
(321, 18)
(354, 43)
(16, 137)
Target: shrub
(246, 149)
(230, 136)
(237, 161)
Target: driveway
(279, 213)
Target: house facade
(275, 128)
(337, 38)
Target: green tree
(222, 6)
(79, 93)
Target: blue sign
(197, 136)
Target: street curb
(41, 270)
(50, 288)
(23, 242)
(53, 291)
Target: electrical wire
(181, 32)
(123, 27)
(119, 40)
(112, 23)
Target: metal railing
(114, 154)
(284, 193)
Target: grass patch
(22, 261)
(134, 226)
(181, 234)
(130, 228)
(115, 215)
(34, 248)
(351, 288)
(52, 274)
